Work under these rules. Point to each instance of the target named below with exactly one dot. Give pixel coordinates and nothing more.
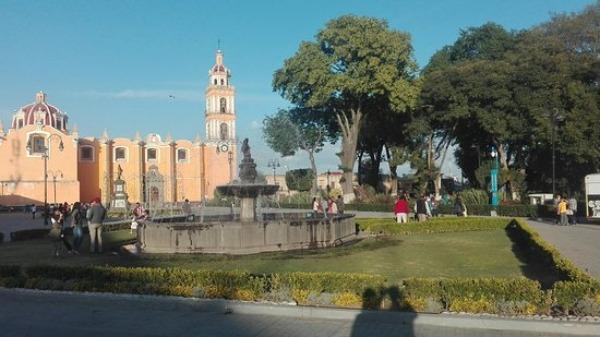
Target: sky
(112, 65)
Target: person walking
(572, 210)
(340, 204)
(562, 212)
(96, 215)
(422, 209)
(401, 210)
(77, 226)
(459, 207)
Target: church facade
(155, 169)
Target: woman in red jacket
(401, 210)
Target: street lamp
(274, 164)
(45, 154)
(556, 117)
(230, 160)
(494, 177)
(55, 174)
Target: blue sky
(113, 64)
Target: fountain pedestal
(247, 209)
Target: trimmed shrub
(567, 295)
(539, 250)
(434, 225)
(29, 234)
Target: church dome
(40, 112)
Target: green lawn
(457, 254)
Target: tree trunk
(393, 174)
(350, 129)
(313, 166)
(360, 168)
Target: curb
(165, 303)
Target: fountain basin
(247, 190)
(275, 232)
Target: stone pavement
(41, 313)
(579, 243)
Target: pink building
(156, 169)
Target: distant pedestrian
(317, 207)
(562, 212)
(422, 209)
(77, 218)
(332, 209)
(459, 207)
(572, 210)
(555, 202)
(58, 233)
(33, 211)
(137, 214)
(401, 210)
(96, 215)
(340, 204)
(187, 210)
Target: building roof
(40, 112)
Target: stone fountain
(225, 234)
(247, 189)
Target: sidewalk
(579, 243)
(46, 313)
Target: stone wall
(234, 237)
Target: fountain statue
(247, 189)
(224, 234)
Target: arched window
(215, 81)
(223, 132)
(181, 155)
(120, 153)
(223, 105)
(222, 82)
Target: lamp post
(274, 164)
(54, 175)
(556, 117)
(45, 154)
(494, 178)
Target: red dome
(40, 110)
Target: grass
(487, 253)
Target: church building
(43, 159)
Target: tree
(300, 179)
(356, 67)
(286, 134)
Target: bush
(567, 295)
(502, 210)
(299, 179)
(475, 197)
(434, 225)
(29, 234)
(539, 250)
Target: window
(151, 154)
(223, 104)
(215, 81)
(181, 155)
(59, 124)
(38, 144)
(86, 153)
(120, 154)
(222, 82)
(20, 123)
(223, 132)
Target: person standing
(187, 210)
(562, 212)
(422, 209)
(340, 204)
(96, 216)
(572, 204)
(332, 209)
(459, 207)
(137, 213)
(317, 207)
(77, 225)
(33, 210)
(555, 202)
(401, 210)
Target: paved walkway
(579, 243)
(39, 314)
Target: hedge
(434, 225)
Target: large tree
(356, 68)
(286, 133)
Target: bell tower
(220, 106)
